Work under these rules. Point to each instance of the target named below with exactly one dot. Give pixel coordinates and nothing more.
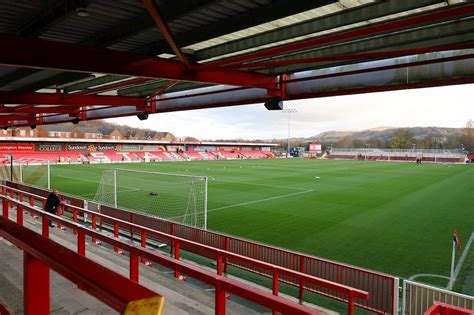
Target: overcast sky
(450, 106)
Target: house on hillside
(19, 132)
(53, 131)
(155, 135)
(86, 133)
(111, 133)
(135, 135)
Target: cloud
(444, 106)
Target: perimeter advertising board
(315, 148)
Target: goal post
(175, 197)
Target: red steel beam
(112, 288)
(165, 31)
(114, 86)
(16, 51)
(7, 97)
(370, 30)
(376, 54)
(48, 110)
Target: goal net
(175, 197)
(36, 173)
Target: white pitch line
(418, 275)
(460, 262)
(260, 200)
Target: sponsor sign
(103, 147)
(315, 148)
(17, 147)
(130, 147)
(77, 147)
(49, 147)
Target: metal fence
(455, 151)
(418, 298)
(382, 288)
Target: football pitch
(396, 218)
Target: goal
(175, 197)
(35, 173)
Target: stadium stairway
(182, 297)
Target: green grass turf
(396, 218)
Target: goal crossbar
(176, 197)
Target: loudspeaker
(75, 121)
(143, 116)
(275, 103)
(5, 127)
(33, 126)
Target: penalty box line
(260, 200)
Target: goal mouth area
(179, 198)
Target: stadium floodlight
(175, 197)
(289, 111)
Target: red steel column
(172, 241)
(176, 256)
(32, 204)
(275, 287)
(134, 267)
(143, 243)
(74, 218)
(116, 234)
(219, 264)
(81, 243)
(94, 226)
(220, 307)
(36, 287)
(45, 227)
(226, 248)
(5, 207)
(19, 215)
(350, 304)
(58, 213)
(301, 286)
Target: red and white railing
(17, 197)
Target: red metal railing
(382, 288)
(222, 284)
(445, 309)
(41, 254)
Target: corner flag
(456, 239)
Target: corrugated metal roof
(15, 14)
(109, 20)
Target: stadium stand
(430, 156)
(30, 151)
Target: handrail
(111, 288)
(447, 309)
(226, 254)
(220, 254)
(221, 283)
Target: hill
(384, 133)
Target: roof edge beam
(16, 52)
